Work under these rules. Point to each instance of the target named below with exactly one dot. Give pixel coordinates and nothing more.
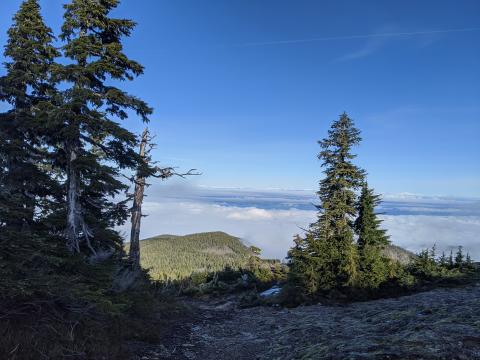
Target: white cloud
(272, 230)
(250, 214)
(417, 232)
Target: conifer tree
(332, 244)
(451, 263)
(443, 261)
(459, 258)
(302, 277)
(469, 264)
(373, 267)
(298, 261)
(367, 224)
(25, 186)
(94, 146)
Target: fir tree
(433, 252)
(469, 264)
(443, 261)
(25, 185)
(332, 244)
(373, 267)
(298, 262)
(94, 146)
(451, 263)
(302, 277)
(459, 258)
(367, 224)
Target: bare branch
(165, 173)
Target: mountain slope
(399, 254)
(177, 257)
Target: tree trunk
(73, 243)
(134, 253)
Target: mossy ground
(54, 305)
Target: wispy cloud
(364, 36)
(371, 46)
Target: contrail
(392, 34)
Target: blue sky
(243, 89)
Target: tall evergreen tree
(298, 261)
(459, 257)
(373, 267)
(332, 244)
(451, 263)
(94, 146)
(443, 261)
(367, 224)
(25, 186)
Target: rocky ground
(438, 324)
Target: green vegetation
(374, 268)
(345, 254)
(208, 263)
(54, 305)
(252, 276)
(66, 289)
(170, 257)
(428, 267)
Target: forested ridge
(170, 257)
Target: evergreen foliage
(93, 146)
(170, 257)
(56, 306)
(345, 253)
(428, 267)
(210, 263)
(62, 151)
(367, 224)
(374, 268)
(459, 257)
(329, 253)
(28, 88)
(299, 260)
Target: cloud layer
(269, 219)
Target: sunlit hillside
(176, 257)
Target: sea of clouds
(270, 218)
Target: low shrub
(54, 305)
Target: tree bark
(73, 242)
(134, 252)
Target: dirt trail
(439, 324)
